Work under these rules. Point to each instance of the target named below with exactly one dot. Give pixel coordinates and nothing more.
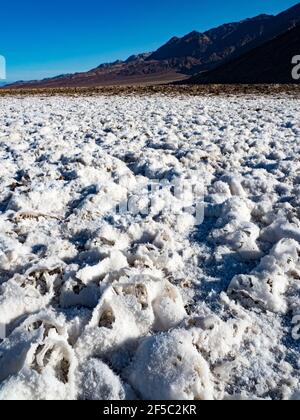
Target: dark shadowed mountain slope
(182, 57)
(268, 63)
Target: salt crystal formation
(113, 282)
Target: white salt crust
(149, 303)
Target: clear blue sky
(43, 39)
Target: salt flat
(149, 247)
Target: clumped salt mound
(38, 361)
(29, 292)
(98, 382)
(235, 230)
(281, 229)
(127, 310)
(149, 248)
(168, 367)
(268, 284)
(187, 363)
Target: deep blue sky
(43, 39)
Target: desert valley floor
(149, 247)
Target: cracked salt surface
(148, 304)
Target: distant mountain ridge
(183, 57)
(210, 47)
(226, 41)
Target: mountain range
(202, 54)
